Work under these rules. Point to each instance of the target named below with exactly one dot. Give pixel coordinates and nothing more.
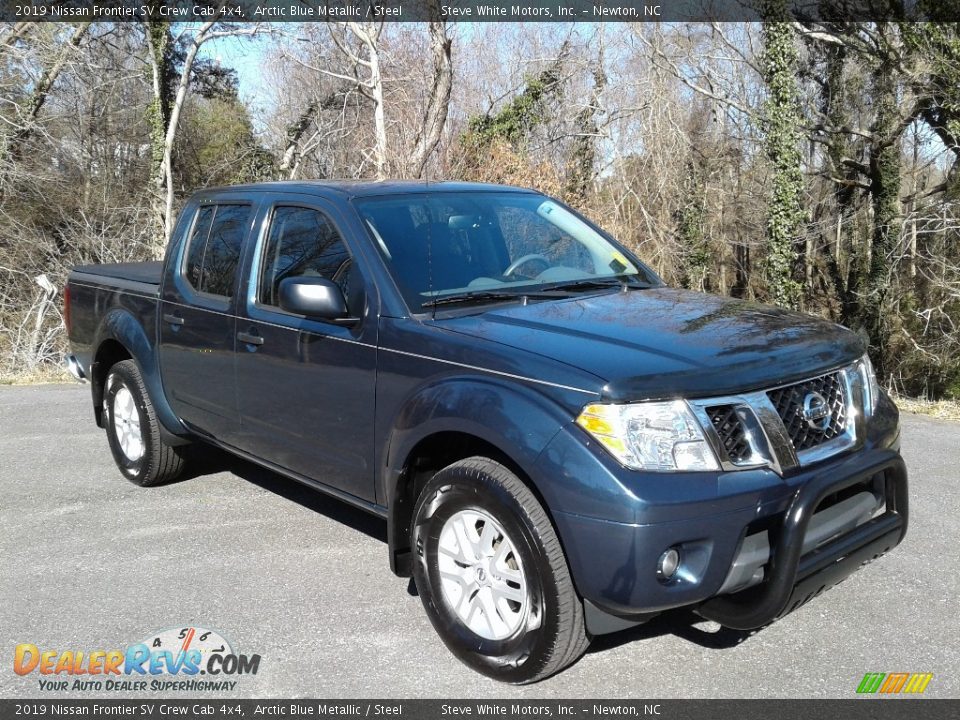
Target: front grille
(731, 432)
(789, 403)
(785, 427)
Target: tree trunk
(435, 115)
(164, 115)
(291, 153)
(371, 87)
(914, 189)
(379, 119)
(783, 134)
(885, 195)
(158, 115)
(842, 265)
(584, 150)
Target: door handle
(249, 338)
(172, 319)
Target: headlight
(662, 436)
(871, 388)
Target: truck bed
(96, 290)
(143, 272)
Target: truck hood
(661, 342)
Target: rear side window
(215, 246)
(302, 243)
(198, 243)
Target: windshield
(488, 245)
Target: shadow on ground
(210, 460)
(684, 624)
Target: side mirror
(316, 298)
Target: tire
(492, 575)
(133, 430)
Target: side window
(215, 246)
(193, 270)
(302, 242)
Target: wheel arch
(121, 336)
(108, 354)
(454, 420)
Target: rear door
(306, 388)
(197, 316)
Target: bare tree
(27, 112)
(358, 59)
(365, 65)
(435, 115)
(171, 119)
(290, 160)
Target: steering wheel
(516, 264)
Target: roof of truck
(363, 188)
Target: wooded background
(808, 165)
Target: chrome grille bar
(787, 426)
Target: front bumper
(615, 526)
(795, 577)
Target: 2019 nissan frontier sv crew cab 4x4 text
(561, 445)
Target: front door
(306, 388)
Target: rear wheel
(133, 430)
(492, 575)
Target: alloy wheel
(482, 577)
(126, 424)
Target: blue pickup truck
(561, 445)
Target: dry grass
(42, 375)
(941, 409)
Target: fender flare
(121, 326)
(515, 419)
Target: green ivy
(158, 111)
(691, 219)
(518, 117)
(783, 124)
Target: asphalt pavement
(89, 561)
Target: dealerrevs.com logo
(168, 660)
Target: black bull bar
(794, 578)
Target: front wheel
(133, 430)
(492, 575)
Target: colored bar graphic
(918, 682)
(870, 683)
(893, 683)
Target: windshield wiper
(623, 281)
(481, 296)
(552, 290)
